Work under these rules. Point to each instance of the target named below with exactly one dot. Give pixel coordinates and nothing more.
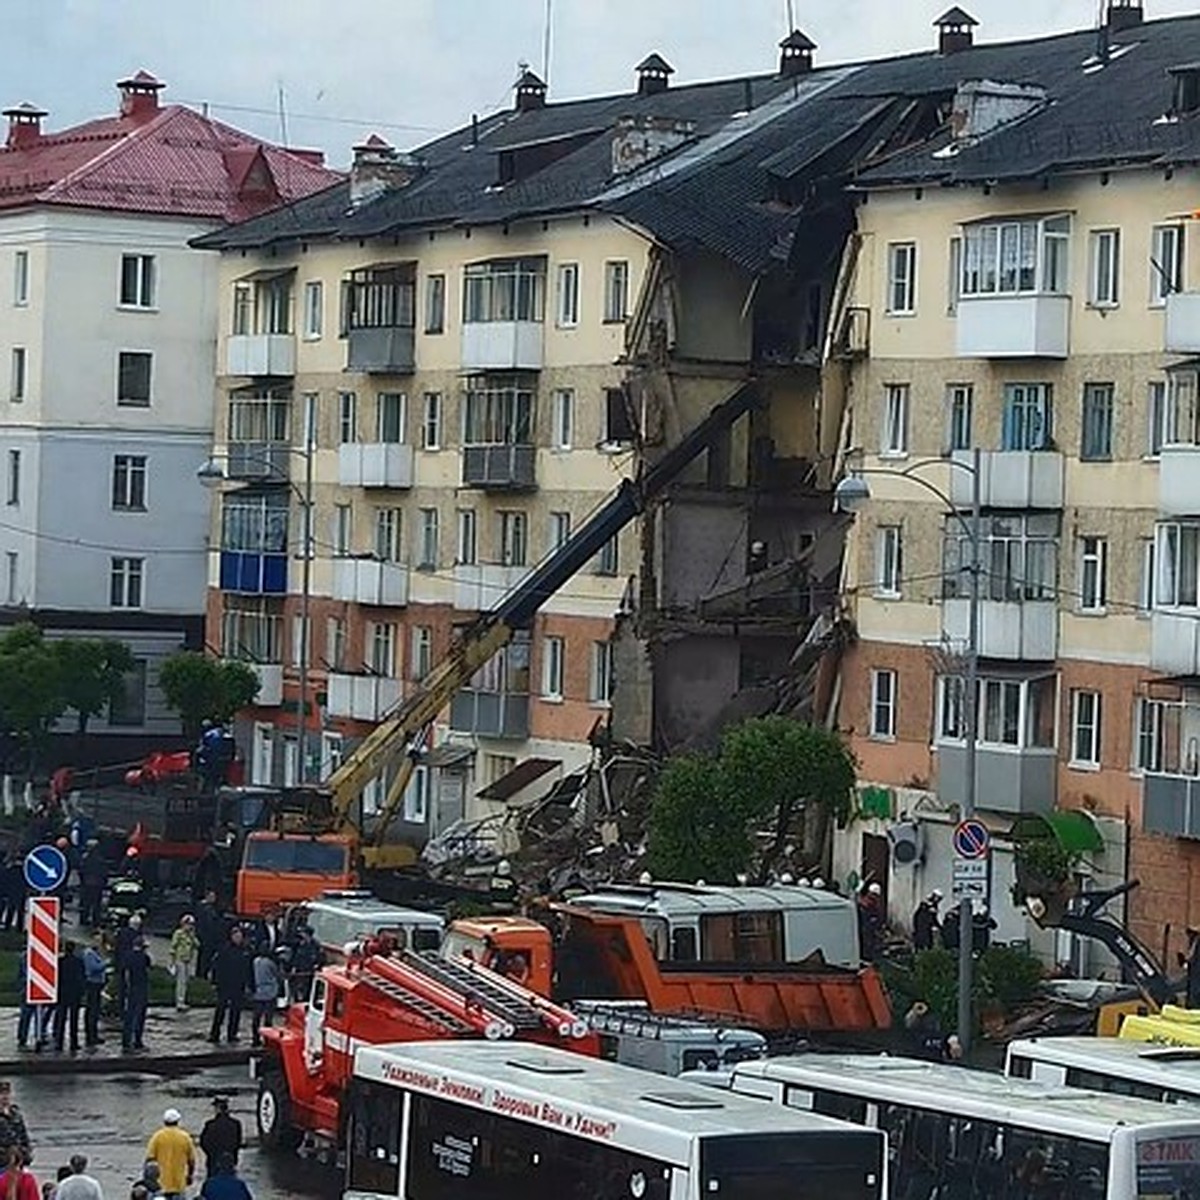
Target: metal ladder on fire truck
(464, 998)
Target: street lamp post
(212, 474)
(850, 495)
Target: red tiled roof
(178, 162)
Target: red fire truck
(376, 998)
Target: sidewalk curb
(124, 1064)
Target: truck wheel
(274, 1113)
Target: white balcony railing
(362, 697)
(260, 354)
(370, 581)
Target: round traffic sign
(971, 839)
(45, 868)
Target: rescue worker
(173, 1150)
(71, 987)
(926, 924)
(870, 921)
(210, 929)
(231, 974)
(134, 968)
(502, 887)
(222, 1135)
(93, 875)
(307, 957)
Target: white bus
(1169, 1074)
(485, 1121)
(955, 1132)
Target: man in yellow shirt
(173, 1150)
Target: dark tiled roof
(737, 184)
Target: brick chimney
(379, 167)
(654, 73)
(956, 31)
(1124, 14)
(531, 92)
(795, 54)
(24, 125)
(139, 96)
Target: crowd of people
(170, 1169)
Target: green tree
(769, 771)
(31, 692)
(91, 674)
(201, 689)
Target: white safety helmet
(818, 883)
(874, 890)
(787, 878)
(804, 881)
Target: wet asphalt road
(109, 1118)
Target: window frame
(13, 479)
(600, 674)
(466, 535)
(1177, 568)
(960, 416)
(566, 295)
(19, 375)
(999, 250)
(562, 419)
(1098, 416)
(387, 420)
(894, 428)
(616, 291)
(127, 582)
(145, 283)
(1104, 268)
(901, 300)
(314, 310)
(1027, 416)
(21, 279)
(889, 561)
(129, 482)
(553, 668)
(435, 304)
(883, 704)
(1091, 729)
(513, 531)
(428, 538)
(1162, 284)
(1156, 417)
(343, 530)
(123, 369)
(420, 660)
(431, 421)
(560, 529)
(389, 533)
(347, 418)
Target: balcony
(1017, 326)
(1010, 479)
(270, 684)
(1171, 805)
(370, 581)
(1014, 781)
(1182, 331)
(490, 714)
(254, 573)
(375, 465)
(260, 354)
(502, 346)
(1008, 629)
(264, 461)
(501, 468)
(386, 350)
(479, 587)
(362, 697)
(1179, 481)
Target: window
(1013, 712)
(262, 306)
(1181, 410)
(1096, 444)
(467, 550)
(1027, 422)
(954, 282)
(427, 539)
(959, 405)
(1156, 408)
(21, 278)
(416, 797)
(388, 525)
(560, 529)
(894, 438)
(1020, 557)
(301, 641)
(18, 380)
(314, 309)
(435, 304)
(1149, 729)
(255, 521)
(1177, 555)
(125, 583)
(498, 410)
(563, 417)
(553, 659)
(251, 630)
(1166, 262)
(421, 658)
(129, 708)
(133, 378)
(347, 418)
(379, 298)
(566, 300)
(600, 676)
(952, 707)
(1104, 268)
(1146, 579)
(309, 405)
(883, 704)
(888, 560)
(620, 423)
(505, 290)
(431, 421)
(1015, 257)
(1093, 574)
(255, 417)
(902, 277)
(608, 559)
(616, 291)
(514, 539)
(335, 643)
(129, 483)
(1085, 729)
(12, 563)
(381, 648)
(343, 528)
(137, 281)
(242, 310)
(391, 417)
(14, 478)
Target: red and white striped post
(41, 949)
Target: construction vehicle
(392, 749)
(720, 953)
(385, 997)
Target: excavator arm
(394, 745)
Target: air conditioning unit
(908, 843)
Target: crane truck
(391, 750)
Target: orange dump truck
(779, 959)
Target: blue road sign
(45, 868)
(971, 839)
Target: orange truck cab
(279, 869)
(515, 947)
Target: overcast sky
(411, 68)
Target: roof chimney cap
(795, 54)
(955, 30)
(24, 124)
(139, 94)
(654, 73)
(1124, 14)
(531, 92)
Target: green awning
(1073, 829)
